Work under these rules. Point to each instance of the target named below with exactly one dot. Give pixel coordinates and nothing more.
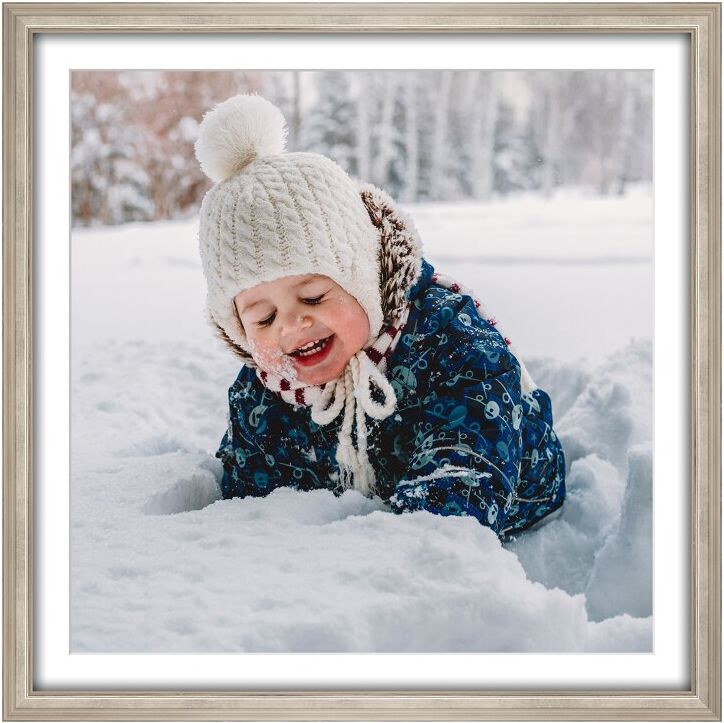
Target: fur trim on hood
(400, 258)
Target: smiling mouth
(314, 351)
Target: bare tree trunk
(483, 118)
(364, 98)
(624, 149)
(296, 125)
(411, 145)
(547, 120)
(381, 162)
(439, 137)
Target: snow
(160, 564)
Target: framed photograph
(546, 178)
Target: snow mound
(621, 579)
(602, 544)
(199, 489)
(614, 410)
(161, 564)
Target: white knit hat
(274, 214)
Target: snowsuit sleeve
(250, 448)
(466, 440)
(233, 458)
(262, 448)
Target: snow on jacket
(464, 439)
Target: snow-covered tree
(483, 115)
(108, 185)
(410, 146)
(517, 162)
(385, 88)
(620, 126)
(553, 114)
(284, 89)
(439, 148)
(330, 125)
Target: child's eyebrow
(246, 307)
(303, 282)
(308, 280)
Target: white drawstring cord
(353, 390)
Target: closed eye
(267, 321)
(315, 300)
(311, 301)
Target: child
(362, 367)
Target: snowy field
(160, 564)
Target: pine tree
(517, 161)
(330, 125)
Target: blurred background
(533, 188)
(423, 135)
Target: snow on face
(282, 315)
(273, 360)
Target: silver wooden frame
(701, 23)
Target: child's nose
(295, 321)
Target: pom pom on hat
(236, 132)
(272, 213)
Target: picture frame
(24, 25)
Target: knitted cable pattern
(308, 210)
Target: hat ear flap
(219, 331)
(400, 253)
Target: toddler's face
(304, 328)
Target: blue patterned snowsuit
(463, 441)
